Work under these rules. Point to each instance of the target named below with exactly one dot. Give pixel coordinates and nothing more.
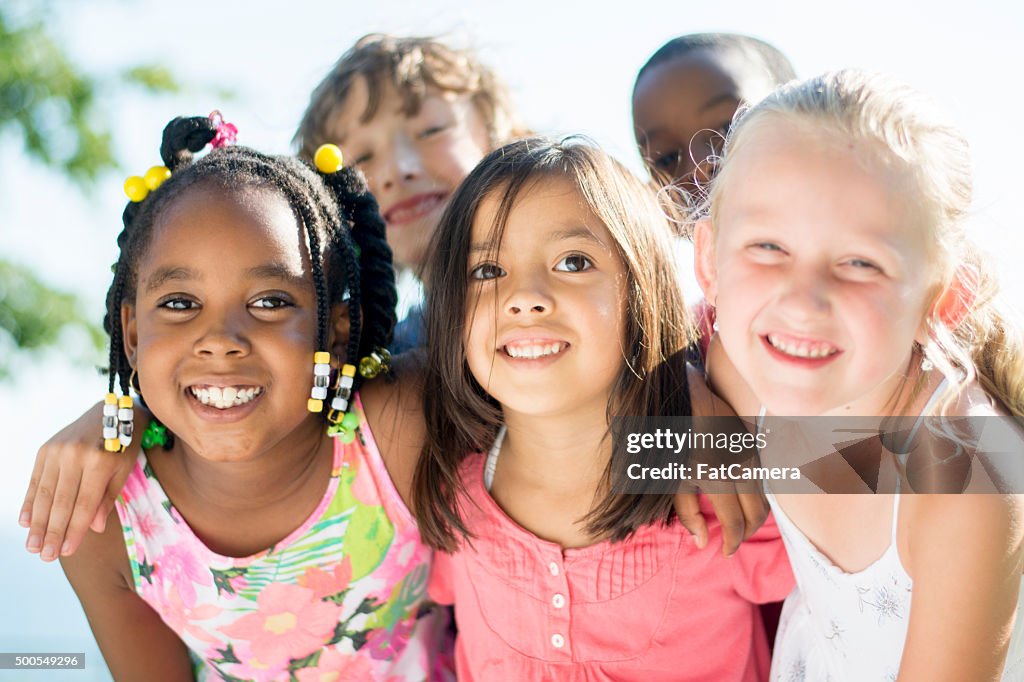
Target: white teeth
(802, 350)
(533, 352)
(226, 397)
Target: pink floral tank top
(341, 598)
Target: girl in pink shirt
(555, 263)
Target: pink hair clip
(226, 132)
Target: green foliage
(53, 105)
(33, 315)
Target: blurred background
(86, 88)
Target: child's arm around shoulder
(136, 643)
(965, 554)
(73, 485)
(394, 410)
(740, 514)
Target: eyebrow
(564, 234)
(278, 271)
(173, 273)
(719, 99)
(170, 274)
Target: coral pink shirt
(653, 607)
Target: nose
(400, 163)
(223, 337)
(808, 294)
(529, 296)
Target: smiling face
(682, 109)
(223, 324)
(412, 163)
(546, 308)
(819, 270)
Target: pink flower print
(326, 584)
(134, 487)
(179, 567)
(385, 645)
(290, 623)
(336, 667)
(183, 620)
(147, 526)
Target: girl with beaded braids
(254, 546)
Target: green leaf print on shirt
(367, 538)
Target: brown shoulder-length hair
(461, 417)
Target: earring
(156, 434)
(321, 380)
(132, 383)
(926, 364)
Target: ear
(956, 301)
(129, 332)
(704, 265)
(338, 332)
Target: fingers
(54, 504)
(99, 521)
(688, 510)
(731, 516)
(755, 511)
(25, 517)
(92, 501)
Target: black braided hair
(376, 291)
(337, 213)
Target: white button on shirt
(557, 641)
(553, 567)
(558, 601)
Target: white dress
(839, 626)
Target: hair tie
(328, 159)
(226, 133)
(138, 187)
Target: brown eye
(576, 262)
(487, 271)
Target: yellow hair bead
(328, 159)
(111, 399)
(314, 405)
(125, 402)
(322, 357)
(156, 176)
(112, 445)
(136, 188)
(348, 370)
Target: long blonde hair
(906, 132)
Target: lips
(415, 207)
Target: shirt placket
(556, 588)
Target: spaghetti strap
(895, 512)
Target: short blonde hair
(906, 132)
(411, 66)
